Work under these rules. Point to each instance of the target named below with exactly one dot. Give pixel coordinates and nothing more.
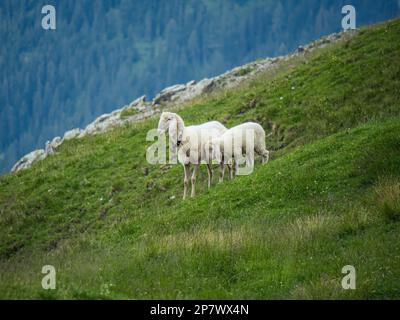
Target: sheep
(215, 154)
(190, 144)
(236, 141)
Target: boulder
(51, 146)
(139, 103)
(72, 134)
(101, 124)
(204, 86)
(48, 150)
(56, 142)
(166, 95)
(29, 159)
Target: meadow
(115, 227)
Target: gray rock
(51, 146)
(48, 150)
(56, 142)
(139, 102)
(29, 159)
(167, 94)
(72, 134)
(101, 124)
(204, 86)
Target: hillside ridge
(172, 96)
(114, 226)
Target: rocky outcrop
(139, 104)
(101, 124)
(169, 97)
(27, 161)
(71, 134)
(56, 142)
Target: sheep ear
(172, 125)
(179, 127)
(173, 130)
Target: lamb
(234, 142)
(190, 144)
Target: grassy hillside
(114, 226)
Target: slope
(115, 227)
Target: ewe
(245, 138)
(190, 144)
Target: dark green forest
(104, 54)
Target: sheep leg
(194, 174)
(237, 155)
(186, 169)
(209, 171)
(231, 170)
(236, 167)
(222, 169)
(250, 160)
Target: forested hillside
(104, 54)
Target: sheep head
(165, 120)
(172, 123)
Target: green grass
(128, 112)
(114, 226)
(243, 71)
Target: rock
(194, 90)
(56, 142)
(48, 149)
(27, 161)
(102, 118)
(167, 94)
(204, 86)
(72, 134)
(300, 49)
(138, 102)
(181, 93)
(52, 146)
(101, 124)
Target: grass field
(114, 226)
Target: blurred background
(104, 54)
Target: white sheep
(245, 138)
(189, 142)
